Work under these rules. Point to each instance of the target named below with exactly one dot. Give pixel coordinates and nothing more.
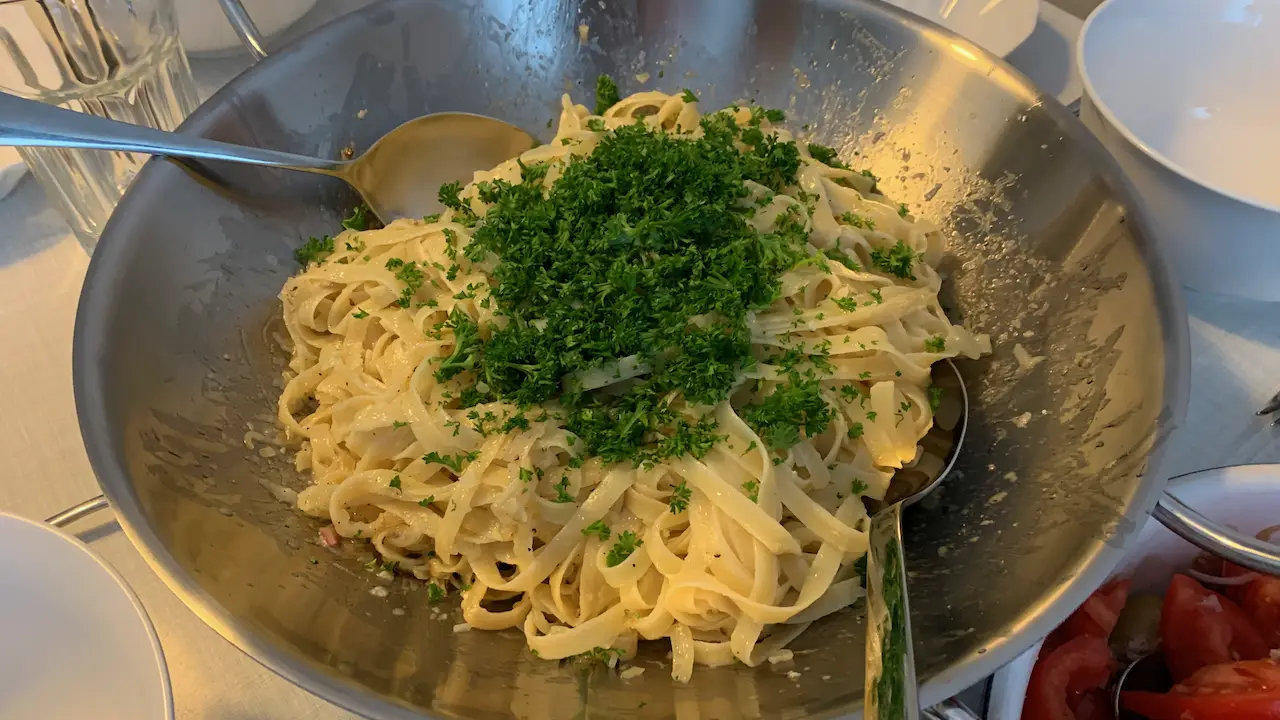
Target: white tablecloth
(1236, 367)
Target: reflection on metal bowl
(176, 375)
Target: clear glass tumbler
(118, 59)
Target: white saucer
(77, 643)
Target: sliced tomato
(1261, 602)
(1248, 690)
(1199, 627)
(1079, 665)
(1096, 617)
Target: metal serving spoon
(398, 177)
(891, 691)
(1148, 674)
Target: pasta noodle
(729, 550)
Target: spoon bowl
(398, 176)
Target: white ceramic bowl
(77, 642)
(998, 26)
(1185, 94)
(1246, 497)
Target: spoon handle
(27, 123)
(891, 692)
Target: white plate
(1246, 497)
(998, 26)
(77, 643)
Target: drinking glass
(119, 59)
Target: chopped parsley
(688, 96)
(680, 495)
(935, 344)
(597, 528)
(397, 424)
(426, 501)
(435, 593)
(859, 487)
(595, 124)
(902, 210)
(315, 250)
(859, 222)
(600, 655)
(604, 264)
(795, 406)
(826, 156)
(622, 549)
(453, 462)
(359, 314)
(935, 397)
(359, 219)
(395, 482)
(846, 304)
(752, 489)
(896, 261)
(855, 431)
(562, 491)
(606, 94)
(843, 258)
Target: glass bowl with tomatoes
(1174, 634)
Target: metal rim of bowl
(354, 697)
(1109, 115)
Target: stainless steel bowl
(175, 373)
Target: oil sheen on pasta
(633, 384)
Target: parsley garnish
(395, 482)
(794, 406)
(935, 344)
(935, 397)
(597, 528)
(843, 258)
(859, 222)
(640, 261)
(826, 156)
(858, 487)
(466, 341)
(426, 501)
(606, 94)
(562, 491)
(453, 462)
(359, 219)
(359, 314)
(435, 593)
(595, 124)
(902, 210)
(846, 304)
(775, 115)
(621, 550)
(397, 424)
(680, 495)
(855, 431)
(600, 655)
(752, 489)
(688, 96)
(896, 261)
(314, 250)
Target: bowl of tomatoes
(1201, 635)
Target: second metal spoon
(397, 177)
(891, 691)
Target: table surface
(1235, 348)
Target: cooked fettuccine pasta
(633, 384)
